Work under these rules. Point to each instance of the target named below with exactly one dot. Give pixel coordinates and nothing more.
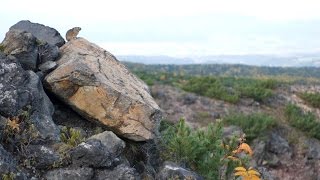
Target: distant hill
(298, 60)
(236, 70)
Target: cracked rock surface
(97, 86)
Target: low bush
(306, 122)
(205, 152)
(198, 149)
(230, 89)
(71, 136)
(253, 125)
(311, 98)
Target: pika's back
(72, 33)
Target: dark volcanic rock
(7, 162)
(189, 99)
(43, 33)
(23, 46)
(91, 153)
(69, 174)
(19, 89)
(47, 66)
(113, 144)
(42, 157)
(121, 172)
(48, 52)
(313, 151)
(173, 171)
(279, 145)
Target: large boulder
(97, 86)
(20, 89)
(23, 46)
(43, 33)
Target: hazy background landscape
(269, 33)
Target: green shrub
(8, 176)
(211, 87)
(311, 98)
(201, 150)
(2, 48)
(253, 125)
(71, 136)
(306, 122)
(230, 89)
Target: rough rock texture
(121, 172)
(279, 145)
(100, 88)
(172, 171)
(92, 153)
(43, 157)
(23, 46)
(113, 144)
(274, 151)
(7, 162)
(265, 174)
(47, 66)
(48, 52)
(43, 33)
(19, 89)
(70, 174)
(313, 151)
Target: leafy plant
(311, 98)
(8, 176)
(230, 89)
(71, 136)
(242, 161)
(249, 174)
(2, 48)
(203, 150)
(306, 122)
(19, 132)
(199, 149)
(253, 125)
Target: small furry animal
(72, 33)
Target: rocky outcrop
(20, 89)
(97, 86)
(23, 46)
(41, 32)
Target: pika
(72, 33)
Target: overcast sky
(179, 27)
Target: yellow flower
(249, 174)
